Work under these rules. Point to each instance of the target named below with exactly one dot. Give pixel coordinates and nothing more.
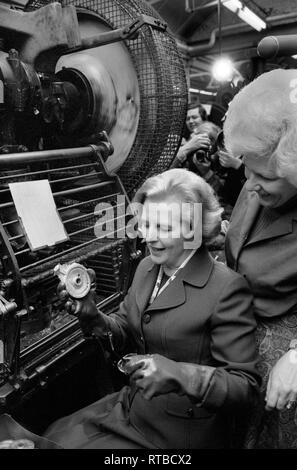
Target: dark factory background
(204, 34)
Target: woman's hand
(85, 309)
(228, 161)
(282, 383)
(157, 375)
(89, 316)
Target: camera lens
(201, 155)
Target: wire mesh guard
(162, 85)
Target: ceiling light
(245, 14)
(222, 69)
(202, 92)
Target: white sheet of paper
(38, 213)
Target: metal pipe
(220, 26)
(188, 9)
(109, 286)
(90, 214)
(97, 225)
(112, 298)
(82, 189)
(107, 276)
(72, 178)
(108, 257)
(106, 292)
(16, 237)
(51, 170)
(106, 273)
(102, 264)
(102, 39)
(61, 255)
(10, 222)
(67, 192)
(196, 50)
(89, 201)
(104, 268)
(42, 155)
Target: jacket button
(141, 339)
(190, 412)
(146, 318)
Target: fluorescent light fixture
(294, 56)
(245, 14)
(201, 92)
(223, 69)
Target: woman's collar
(198, 270)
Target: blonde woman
(261, 242)
(189, 320)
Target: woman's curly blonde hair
(262, 120)
(189, 188)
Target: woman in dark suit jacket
(190, 316)
(261, 242)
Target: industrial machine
(92, 101)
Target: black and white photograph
(148, 228)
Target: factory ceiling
(195, 25)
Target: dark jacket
(203, 317)
(233, 183)
(269, 260)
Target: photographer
(191, 142)
(197, 154)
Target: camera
(203, 155)
(208, 159)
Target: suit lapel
(143, 294)
(172, 296)
(246, 212)
(196, 272)
(281, 226)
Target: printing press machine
(93, 100)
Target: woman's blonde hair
(189, 188)
(262, 120)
